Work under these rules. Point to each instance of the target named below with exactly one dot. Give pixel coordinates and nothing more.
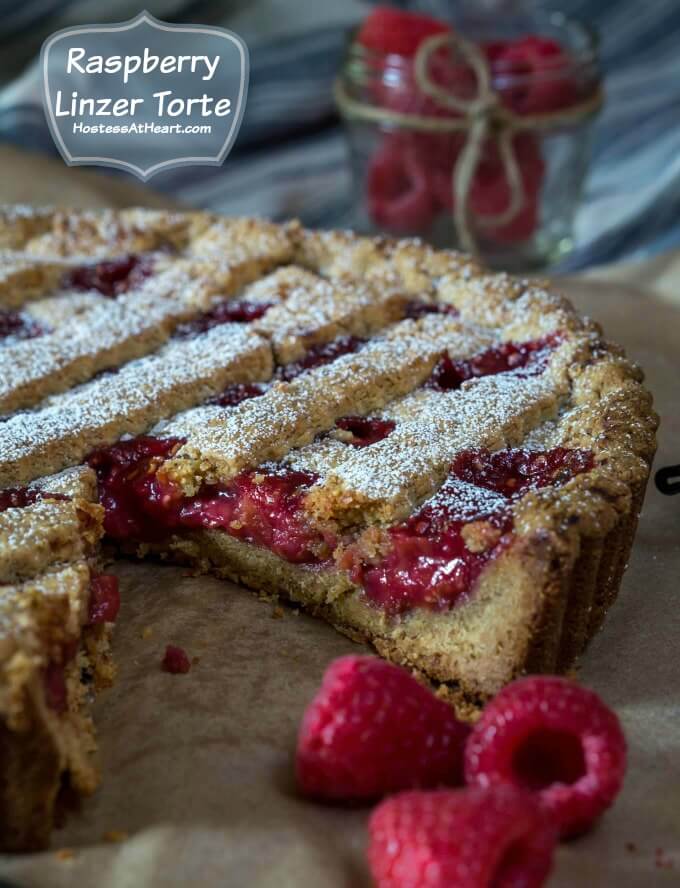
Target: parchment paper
(197, 768)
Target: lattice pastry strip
(63, 308)
(98, 234)
(24, 278)
(109, 334)
(315, 311)
(291, 414)
(62, 525)
(182, 374)
(386, 481)
(37, 536)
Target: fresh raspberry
(399, 194)
(387, 30)
(372, 729)
(175, 660)
(534, 74)
(104, 599)
(555, 738)
(469, 838)
(490, 191)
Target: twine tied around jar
(482, 117)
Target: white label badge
(144, 95)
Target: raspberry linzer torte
(446, 463)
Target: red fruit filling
(136, 506)
(316, 356)
(18, 498)
(21, 497)
(364, 430)
(262, 506)
(241, 391)
(418, 308)
(54, 678)
(111, 277)
(104, 599)
(449, 374)
(54, 683)
(319, 355)
(387, 30)
(16, 325)
(512, 473)
(175, 660)
(435, 556)
(227, 312)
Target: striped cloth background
(290, 158)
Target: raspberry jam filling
(241, 391)
(227, 312)
(262, 506)
(532, 356)
(319, 355)
(21, 497)
(111, 277)
(418, 308)
(431, 560)
(16, 325)
(104, 599)
(18, 498)
(54, 683)
(364, 430)
(436, 556)
(316, 356)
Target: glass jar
(515, 200)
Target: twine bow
(482, 118)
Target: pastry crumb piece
(147, 632)
(195, 661)
(278, 612)
(479, 536)
(115, 835)
(175, 660)
(65, 854)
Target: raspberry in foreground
(175, 660)
(469, 838)
(372, 729)
(556, 739)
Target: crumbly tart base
(530, 613)
(533, 608)
(44, 752)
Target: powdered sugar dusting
(394, 475)
(130, 400)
